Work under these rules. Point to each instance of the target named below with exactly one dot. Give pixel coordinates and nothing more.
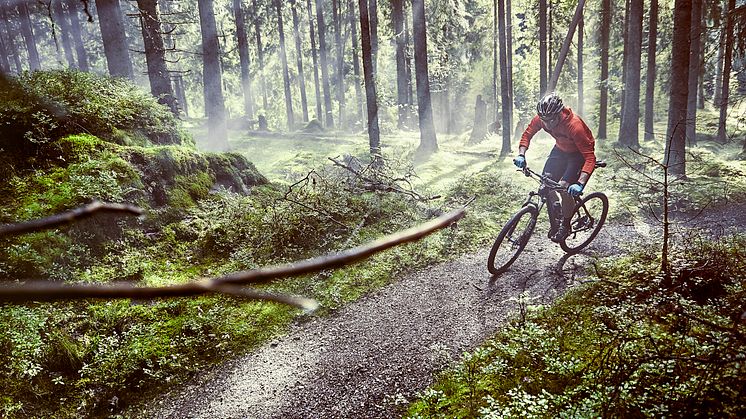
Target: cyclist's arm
(586, 146)
(583, 179)
(533, 127)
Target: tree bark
(217, 130)
(111, 20)
(651, 70)
(27, 31)
(9, 36)
(242, 39)
(428, 139)
(410, 53)
(60, 16)
(285, 75)
(155, 54)
(581, 99)
(509, 49)
(625, 55)
(629, 128)
(702, 58)
(315, 59)
(504, 96)
(675, 157)
(370, 86)
(4, 63)
(299, 53)
(566, 46)
(694, 61)
(397, 18)
(373, 17)
(495, 59)
(543, 67)
(717, 98)
(355, 61)
(336, 16)
(727, 63)
(260, 52)
(604, 83)
(80, 52)
(329, 112)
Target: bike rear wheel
(587, 219)
(512, 240)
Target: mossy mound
(41, 107)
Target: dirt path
(369, 359)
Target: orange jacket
(571, 135)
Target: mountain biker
(572, 160)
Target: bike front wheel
(512, 240)
(587, 219)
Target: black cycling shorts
(562, 166)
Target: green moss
(187, 190)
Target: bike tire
(517, 244)
(583, 221)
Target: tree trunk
(8, 34)
(727, 63)
(504, 96)
(397, 18)
(428, 140)
(355, 61)
(566, 46)
(299, 52)
(543, 67)
(410, 53)
(604, 83)
(717, 99)
(328, 111)
(27, 30)
(111, 20)
(336, 16)
(182, 95)
(581, 99)
(479, 129)
(4, 63)
(675, 157)
(242, 39)
(73, 8)
(217, 131)
(60, 16)
(373, 17)
(155, 54)
(260, 53)
(625, 55)
(495, 60)
(651, 71)
(702, 58)
(629, 128)
(315, 60)
(370, 85)
(509, 48)
(285, 75)
(694, 61)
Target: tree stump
(479, 129)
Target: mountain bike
(572, 232)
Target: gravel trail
(369, 359)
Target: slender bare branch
(67, 217)
(345, 257)
(55, 291)
(229, 284)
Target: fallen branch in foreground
(66, 218)
(228, 284)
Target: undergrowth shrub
(620, 346)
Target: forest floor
(369, 359)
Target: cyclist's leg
(573, 164)
(556, 164)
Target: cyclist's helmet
(549, 106)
